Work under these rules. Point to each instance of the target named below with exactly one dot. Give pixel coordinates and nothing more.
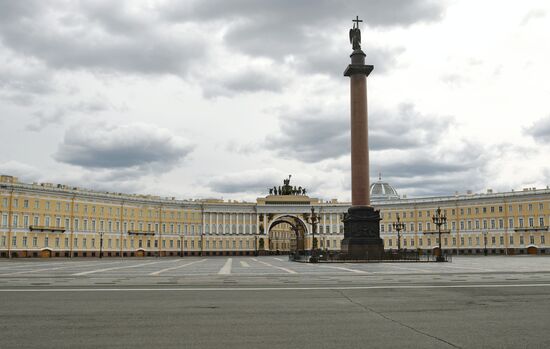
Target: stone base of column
(362, 234)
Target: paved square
(238, 302)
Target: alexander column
(361, 223)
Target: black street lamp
(181, 246)
(313, 219)
(101, 244)
(439, 220)
(485, 243)
(398, 226)
(202, 243)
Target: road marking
(226, 269)
(176, 267)
(231, 289)
(346, 269)
(244, 264)
(408, 269)
(113, 268)
(279, 259)
(473, 268)
(290, 271)
(47, 269)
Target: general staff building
(46, 220)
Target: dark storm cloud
(540, 130)
(279, 27)
(436, 170)
(303, 29)
(104, 36)
(315, 135)
(245, 81)
(138, 148)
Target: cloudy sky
(199, 99)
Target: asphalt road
(266, 302)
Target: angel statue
(355, 34)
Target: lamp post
(439, 220)
(202, 243)
(313, 219)
(101, 244)
(485, 243)
(398, 226)
(181, 246)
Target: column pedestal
(362, 234)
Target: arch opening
(286, 235)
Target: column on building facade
(265, 225)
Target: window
(541, 206)
(501, 240)
(493, 224)
(510, 223)
(492, 209)
(521, 240)
(500, 209)
(4, 220)
(34, 241)
(14, 241)
(5, 202)
(501, 223)
(420, 226)
(493, 240)
(531, 222)
(541, 221)
(542, 240)
(454, 241)
(462, 241)
(75, 244)
(531, 239)
(26, 204)
(24, 241)
(57, 242)
(530, 206)
(520, 222)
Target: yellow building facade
(46, 220)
